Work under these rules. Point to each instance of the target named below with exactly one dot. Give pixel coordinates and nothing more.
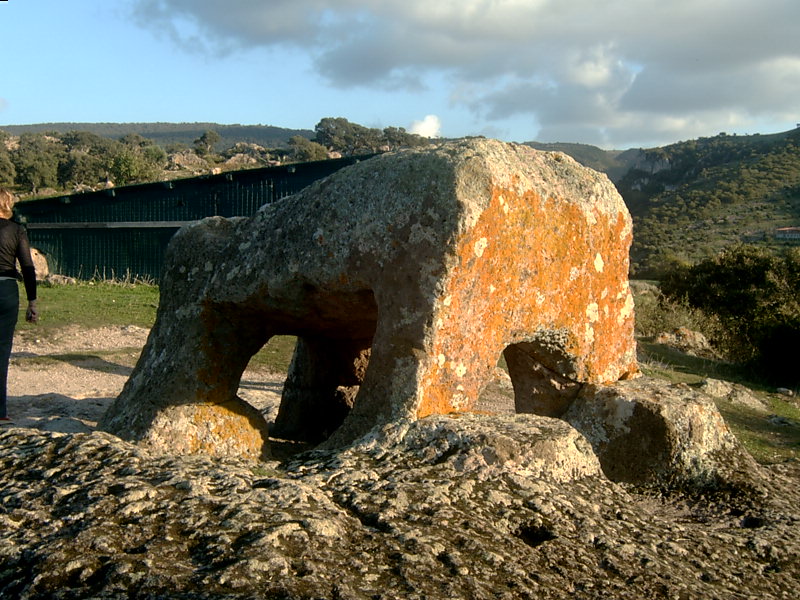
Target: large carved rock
(405, 277)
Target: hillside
(614, 163)
(56, 158)
(688, 199)
(174, 133)
(691, 199)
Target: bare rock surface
(406, 277)
(468, 507)
(690, 342)
(474, 507)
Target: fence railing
(123, 232)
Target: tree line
(39, 160)
(36, 162)
(340, 136)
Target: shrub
(657, 313)
(755, 294)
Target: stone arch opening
(328, 365)
(541, 378)
(321, 387)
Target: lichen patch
(598, 263)
(480, 246)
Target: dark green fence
(123, 232)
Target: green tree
(36, 161)
(125, 166)
(7, 170)
(204, 145)
(85, 141)
(87, 158)
(82, 168)
(156, 157)
(341, 135)
(135, 160)
(304, 150)
(756, 295)
(128, 166)
(398, 137)
(134, 140)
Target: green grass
(671, 364)
(276, 355)
(773, 436)
(91, 305)
(770, 437)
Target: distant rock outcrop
(733, 393)
(187, 160)
(690, 342)
(406, 277)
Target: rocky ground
(503, 506)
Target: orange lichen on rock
(533, 267)
(231, 428)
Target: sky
(613, 73)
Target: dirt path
(66, 383)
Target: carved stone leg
(320, 388)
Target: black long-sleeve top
(14, 246)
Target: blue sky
(614, 73)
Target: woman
(14, 247)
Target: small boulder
(186, 161)
(40, 264)
(241, 161)
(655, 434)
(687, 341)
(733, 393)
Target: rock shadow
(57, 412)
(83, 361)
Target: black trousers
(9, 311)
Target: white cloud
(583, 65)
(3, 104)
(430, 127)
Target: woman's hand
(32, 314)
